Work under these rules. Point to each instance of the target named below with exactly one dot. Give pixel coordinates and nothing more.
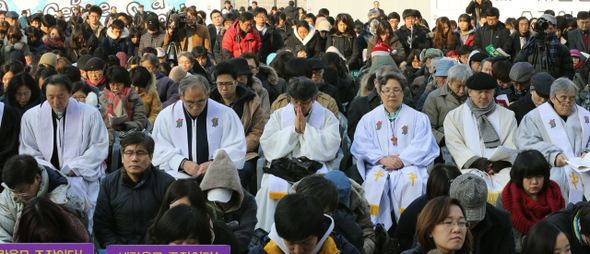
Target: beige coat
(152, 104)
(253, 121)
(437, 105)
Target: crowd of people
(283, 131)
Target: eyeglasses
(192, 104)
(94, 16)
(138, 153)
(461, 224)
(229, 83)
(565, 100)
(395, 91)
(252, 67)
(22, 193)
(80, 97)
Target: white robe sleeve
(529, 137)
(276, 142)
(166, 155)
(364, 144)
(321, 145)
(455, 140)
(28, 140)
(423, 148)
(89, 162)
(233, 139)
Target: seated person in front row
(393, 144)
(190, 132)
(302, 129)
(475, 129)
(301, 227)
(25, 179)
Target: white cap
(219, 195)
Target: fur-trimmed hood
(124, 34)
(270, 74)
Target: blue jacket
(113, 44)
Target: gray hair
(373, 25)
(385, 69)
(153, 59)
(188, 55)
(459, 73)
(433, 62)
(382, 80)
(373, 12)
(192, 81)
(563, 85)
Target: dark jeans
(246, 174)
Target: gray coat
(576, 41)
(437, 105)
(138, 116)
(154, 41)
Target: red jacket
(250, 43)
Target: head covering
(521, 72)
(82, 60)
(381, 49)
(122, 58)
(18, 55)
(343, 184)
(223, 180)
(222, 195)
(242, 65)
(324, 26)
(541, 84)
(472, 193)
(12, 15)
(481, 81)
(430, 53)
(270, 57)
(316, 63)
(177, 73)
(576, 53)
(153, 23)
(49, 59)
(335, 50)
(94, 64)
(549, 18)
(442, 67)
(382, 61)
(477, 57)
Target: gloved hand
(499, 165)
(482, 164)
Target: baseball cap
(222, 195)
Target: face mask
(54, 37)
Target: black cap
(82, 61)
(541, 83)
(153, 24)
(481, 81)
(242, 65)
(316, 64)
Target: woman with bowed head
(545, 238)
(343, 37)
(445, 38)
(23, 93)
(145, 85)
(305, 35)
(442, 227)
(386, 35)
(182, 225)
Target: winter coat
(393, 42)
(125, 209)
(286, 32)
(241, 208)
(167, 90)
(475, 9)
(9, 48)
(311, 41)
(138, 116)
(271, 41)
(437, 105)
(420, 38)
(498, 35)
(113, 44)
(37, 46)
(54, 186)
(251, 116)
(240, 44)
(455, 46)
(154, 41)
(91, 45)
(515, 37)
(562, 67)
(263, 95)
(323, 99)
(274, 85)
(406, 228)
(564, 220)
(100, 32)
(346, 45)
(199, 37)
(466, 38)
(493, 234)
(152, 103)
(291, 12)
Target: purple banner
(165, 249)
(47, 248)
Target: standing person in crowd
(343, 37)
(34, 40)
(305, 35)
(55, 41)
(215, 26)
(578, 38)
(15, 40)
(445, 37)
(376, 7)
(478, 7)
(520, 37)
(466, 30)
(188, 37)
(167, 89)
(386, 35)
(554, 130)
(538, 94)
(93, 18)
(111, 16)
(23, 20)
(292, 12)
(411, 34)
(130, 197)
(188, 151)
(443, 226)
(154, 37)
(240, 37)
(140, 16)
(145, 85)
(43, 181)
(117, 39)
(546, 238)
(80, 40)
(270, 38)
(227, 9)
(530, 196)
(78, 150)
(494, 33)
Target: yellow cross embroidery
(412, 177)
(378, 174)
(574, 180)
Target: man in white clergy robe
(190, 132)
(303, 128)
(69, 136)
(560, 129)
(478, 127)
(393, 145)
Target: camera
(179, 19)
(541, 25)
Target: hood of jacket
(222, 173)
(270, 74)
(328, 228)
(124, 34)
(307, 38)
(18, 45)
(50, 179)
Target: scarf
(459, 99)
(525, 211)
(118, 108)
(97, 84)
(552, 45)
(486, 130)
(53, 45)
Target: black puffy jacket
(497, 35)
(345, 44)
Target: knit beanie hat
(49, 59)
(381, 49)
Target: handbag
(292, 170)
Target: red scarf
(525, 210)
(98, 84)
(53, 45)
(113, 101)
